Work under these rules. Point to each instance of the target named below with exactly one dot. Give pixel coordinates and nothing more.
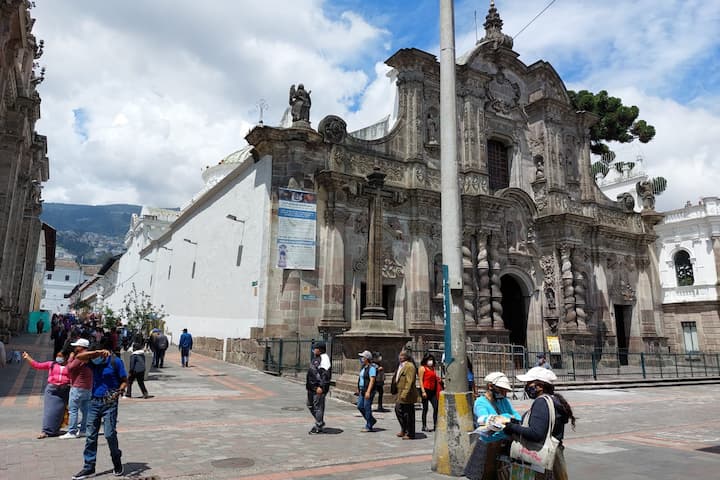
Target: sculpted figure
(300, 103)
(645, 191)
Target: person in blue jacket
(185, 345)
(492, 441)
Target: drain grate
(714, 449)
(233, 462)
(292, 409)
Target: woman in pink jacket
(56, 393)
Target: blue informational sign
(447, 312)
(297, 215)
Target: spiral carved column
(483, 268)
(495, 292)
(468, 286)
(566, 275)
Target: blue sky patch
(80, 118)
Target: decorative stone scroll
(333, 129)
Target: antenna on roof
(261, 106)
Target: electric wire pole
(455, 420)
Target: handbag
(535, 453)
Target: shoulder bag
(538, 454)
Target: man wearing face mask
(109, 383)
(488, 409)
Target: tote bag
(535, 453)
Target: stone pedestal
(376, 336)
(301, 124)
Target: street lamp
(234, 218)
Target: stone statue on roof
(300, 103)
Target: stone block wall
(241, 351)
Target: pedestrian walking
(109, 382)
(379, 382)
(39, 326)
(137, 371)
(317, 384)
(429, 388)
(80, 391)
(57, 392)
(161, 346)
(366, 390)
(185, 345)
(404, 386)
(548, 408)
(482, 463)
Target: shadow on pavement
(332, 431)
(135, 470)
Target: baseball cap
(538, 373)
(366, 354)
(81, 342)
(498, 379)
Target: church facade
(545, 253)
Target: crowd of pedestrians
(87, 377)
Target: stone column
(417, 279)
(580, 292)
(716, 254)
(483, 266)
(373, 306)
(333, 269)
(566, 275)
(495, 292)
(469, 288)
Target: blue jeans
(79, 404)
(365, 407)
(106, 413)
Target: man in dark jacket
(317, 385)
(185, 344)
(137, 371)
(161, 345)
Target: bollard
(572, 361)
(280, 358)
(594, 366)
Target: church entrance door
(622, 329)
(515, 309)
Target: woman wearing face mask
(538, 384)
(57, 393)
(429, 388)
(488, 409)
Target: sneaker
(68, 435)
(84, 473)
(118, 468)
(373, 422)
(315, 431)
(365, 429)
(80, 434)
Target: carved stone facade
(544, 254)
(23, 163)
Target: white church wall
(691, 229)
(219, 300)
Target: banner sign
(297, 216)
(553, 344)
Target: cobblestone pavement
(221, 421)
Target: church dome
(238, 156)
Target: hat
(321, 346)
(498, 379)
(366, 354)
(541, 355)
(541, 374)
(81, 342)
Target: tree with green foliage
(139, 313)
(617, 123)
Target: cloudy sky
(141, 95)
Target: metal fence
(287, 356)
(284, 356)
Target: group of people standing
(88, 377)
(493, 413)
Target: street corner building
(23, 168)
(324, 232)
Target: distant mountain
(91, 233)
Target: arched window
(498, 165)
(683, 269)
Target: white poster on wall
(297, 216)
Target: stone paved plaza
(221, 421)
